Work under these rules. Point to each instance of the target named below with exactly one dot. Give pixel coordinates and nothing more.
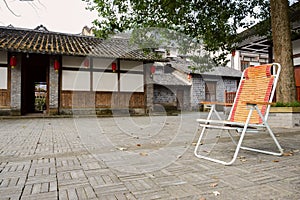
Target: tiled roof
(168, 79)
(183, 66)
(224, 71)
(46, 42)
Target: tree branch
(7, 6)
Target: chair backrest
(257, 84)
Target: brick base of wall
(285, 120)
(53, 111)
(5, 112)
(15, 112)
(103, 112)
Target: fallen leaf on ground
(213, 185)
(216, 193)
(138, 145)
(287, 154)
(275, 160)
(122, 148)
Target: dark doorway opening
(34, 83)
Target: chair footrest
(227, 123)
(219, 127)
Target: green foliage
(40, 104)
(212, 22)
(149, 39)
(289, 104)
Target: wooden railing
(229, 97)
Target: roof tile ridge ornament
(41, 28)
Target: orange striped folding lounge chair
(249, 112)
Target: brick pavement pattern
(138, 158)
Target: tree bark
(283, 51)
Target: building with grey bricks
(176, 84)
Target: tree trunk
(283, 52)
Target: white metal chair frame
(241, 127)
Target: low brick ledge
(286, 117)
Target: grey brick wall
(286, 120)
(197, 91)
(167, 95)
(53, 89)
(164, 95)
(198, 88)
(16, 88)
(187, 99)
(225, 84)
(148, 86)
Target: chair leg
(238, 146)
(236, 150)
(212, 110)
(267, 152)
(271, 134)
(202, 156)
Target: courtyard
(146, 157)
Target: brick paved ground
(137, 158)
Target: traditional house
(175, 83)
(57, 73)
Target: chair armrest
(215, 103)
(257, 103)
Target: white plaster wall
(102, 81)
(105, 81)
(3, 78)
(131, 65)
(296, 50)
(73, 61)
(234, 61)
(132, 83)
(75, 80)
(102, 63)
(296, 46)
